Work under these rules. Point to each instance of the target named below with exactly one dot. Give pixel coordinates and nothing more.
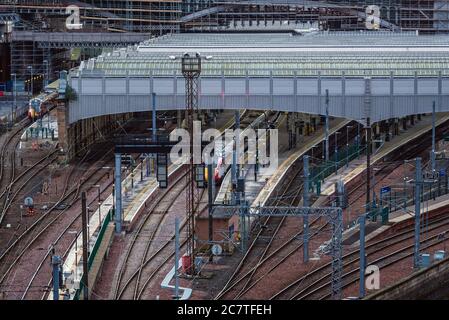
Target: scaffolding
(158, 17)
(165, 16)
(107, 15)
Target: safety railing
(107, 219)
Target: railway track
(386, 169)
(316, 284)
(143, 248)
(267, 264)
(163, 204)
(10, 186)
(41, 275)
(143, 237)
(12, 256)
(236, 287)
(412, 149)
(11, 192)
(4, 152)
(49, 223)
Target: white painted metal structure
(378, 74)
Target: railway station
(218, 150)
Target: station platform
(427, 206)
(138, 188)
(42, 133)
(398, 217)
(266, 190)
(72, 267)
(100, 229)
(358, 166)
(146, 187)
(225, 192)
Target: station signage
(385, 190)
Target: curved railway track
(47, 227)
(4, 150)
(151, 264)
(318, 280)
(416, 148)
(41, 276)
(238, 286)
(162, 205)
(134, 284)
(246, 281)
(412, 149)
(14, 253)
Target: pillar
(118, 193)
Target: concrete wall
(420, 285)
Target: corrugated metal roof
(331, 53)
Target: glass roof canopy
(282, 55)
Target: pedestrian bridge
(376, 74)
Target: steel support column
(56, 264)
(362, 221)
(118, 193)
(432, 153)
(418, 181)
(306, 204)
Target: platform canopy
(401, 72)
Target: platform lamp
(191, 69)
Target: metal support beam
(85, 223)
(234, 167)
(327, 126)
(418, 181)
(56, 264)
(368, 165)
(176, 258)
(362, 221)
(154, 125)
(333, 214)
(118, 193)
(432, 153)
(210, 200)
(306, 204)
(191, 70)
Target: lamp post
(347, 145)
(191, 65)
